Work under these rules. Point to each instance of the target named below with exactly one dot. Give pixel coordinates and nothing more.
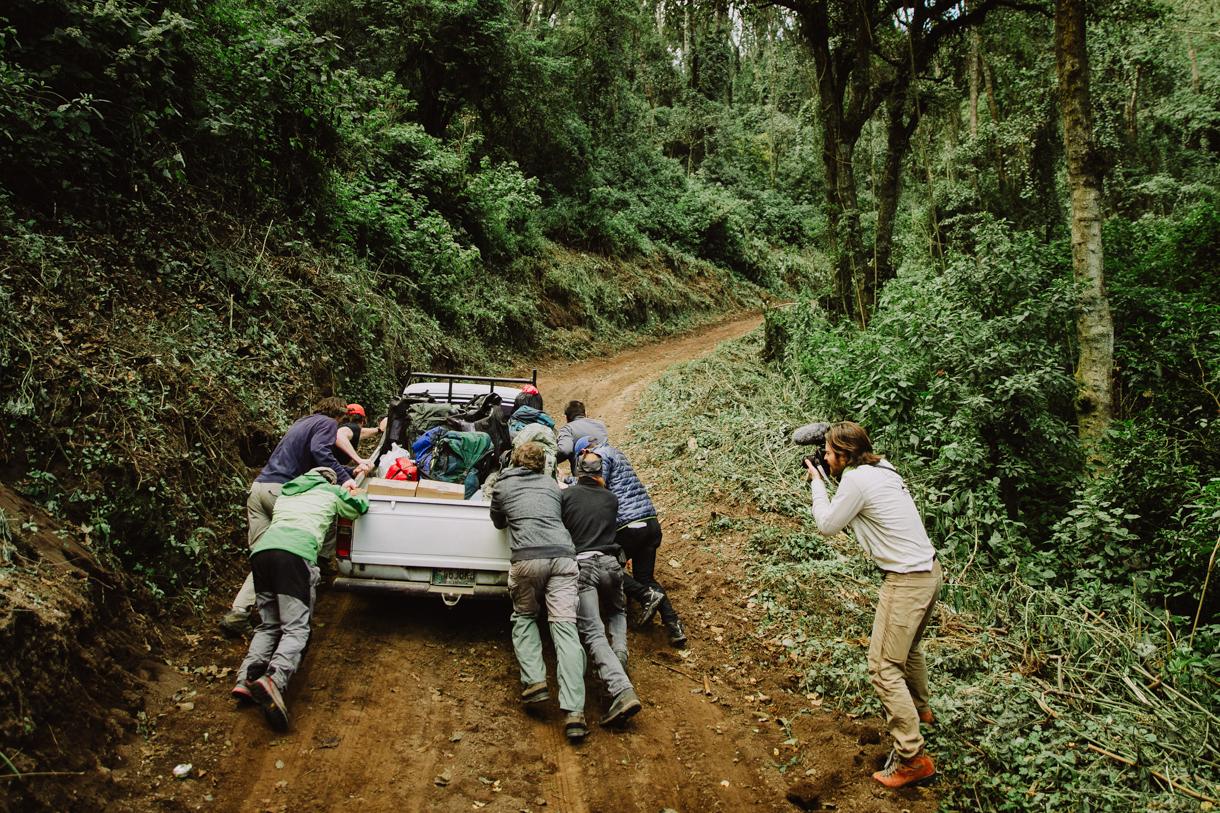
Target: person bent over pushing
(542, 569)
(284, 562)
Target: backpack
(424, 447)
(461, 457)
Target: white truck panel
(415, 532)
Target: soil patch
(70, 687)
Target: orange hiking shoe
(899, 772)
(927, 717)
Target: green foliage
(92, 98)
(962, 377)
(1029, 679)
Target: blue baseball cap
(582, 443)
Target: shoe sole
(630, 710)
(575, 733)
(243, 696)
(536, 697)
(275, 712)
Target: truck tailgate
(415, 532)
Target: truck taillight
(343, 539)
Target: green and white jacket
(303, 515)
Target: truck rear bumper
(417, 588)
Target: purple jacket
(308, 443)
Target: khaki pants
(531, 583)
(896, 665)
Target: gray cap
(329, 474)
(589, 465)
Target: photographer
(873, 500)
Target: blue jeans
(601, 587)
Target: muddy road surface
(405, 705)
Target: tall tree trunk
(1094, 326)
(1131, 109)
(973, 69)
(1196, 79)
(994, 108)
(845, 105)
(842, 213)
(898, 130)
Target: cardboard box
(436, 490)
(391, 488)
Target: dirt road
(404, 705)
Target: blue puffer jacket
(634, 504)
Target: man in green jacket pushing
(285, 565)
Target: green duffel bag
(428, 416)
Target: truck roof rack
(451, 378)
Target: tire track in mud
(565, 788)
(352, 719)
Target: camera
(814, 434)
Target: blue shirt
(308, 443)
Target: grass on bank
(1046, 700)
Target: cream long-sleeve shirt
(875, 503)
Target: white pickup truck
(419, 545)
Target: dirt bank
(405, 705)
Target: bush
(963, 379)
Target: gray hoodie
(578, 428)
(527, 503)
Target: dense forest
(997, 221)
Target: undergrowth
(147, 377)
(1047, 697)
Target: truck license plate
(454, 577)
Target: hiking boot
(677, 635)
(535, 693)
(574, 727)
(624, 706)
(268, 696)
(927, 717)
(650, 605)
(236, 624)
(899, 772)
(241, 693)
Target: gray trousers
(601, 586)
(553, 581)
(285, 586)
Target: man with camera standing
(874, 501)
